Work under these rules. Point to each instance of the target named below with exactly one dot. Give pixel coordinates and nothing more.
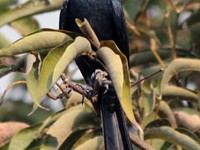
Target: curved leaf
(147, 99)
(75, 119)
(24, 138)
(79, 46)
(26, 26)
(111, 60)
(54, 65)
(9, 129)
(146, 57)
(165, 112)
(29, 8)
(4, 3)
(32, 82)
(178, 92)
(189, 133)
(179, 65)
(92, 144)
(120, 77)
(132, 7)
(39, 40)
(45, 78)
(69, 142)
(89, 134)
(3, 41)
(172, 136)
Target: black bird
(107, 20)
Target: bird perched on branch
(107, 20)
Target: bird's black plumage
(107, 20)
(105, 16)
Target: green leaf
(45, 78)
(165, 111)
(146, 57)
(189, 133)
(26, 26)
(89, 134)
(158, 123)
(92, 144)
(132, 7)
(147, 120)
(147, 99)
(75, 119)
(54, 65)
(6, 3)
(39, 40)
(32, 82)
(111, 60)
(112, 57)
(172, 136)
(178, 92)
(71, 139)
(31, 7)
(179, 65)
(24, 138)
(79, 46)
(3, 41)
(49, 143)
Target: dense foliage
(162, 34)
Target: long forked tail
(115, 131)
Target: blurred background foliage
(160, 32)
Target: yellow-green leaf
(117, 65)
(39, 40)
(75, 119)
(179, 65)
(24, 138)
(31, 7)
(92, 144)
(172, 136)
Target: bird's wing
(120, 25)
(63, 15)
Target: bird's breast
(97, 12)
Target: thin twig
(49, 94)
(146, 77)
(132, 28)
(9, 87)
(170, 34)
(153, 48)
(63, 91)
(175, 8)
(18, 65)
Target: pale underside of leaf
(179, 65)
(94, 143)
(172, 136)
(76, 118)
(40, 40)
(55, 63)
(29, 8)
(119, 77)
(174, 91)
(24, 138)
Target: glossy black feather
(107, 20)
(105, 16)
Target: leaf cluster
(166, 106)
